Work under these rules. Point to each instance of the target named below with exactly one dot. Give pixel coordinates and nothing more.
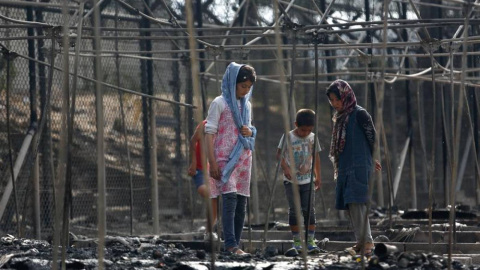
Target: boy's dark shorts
(198, 178)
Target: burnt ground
(154, 253)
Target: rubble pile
(155, 253)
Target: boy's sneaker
(206, 237)
(312, 246)
(297, 244)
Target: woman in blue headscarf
(230, 139)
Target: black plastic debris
(376, 263)
(157, 254)
(261, 226)
(270, 251)
(201, 254)
(438, 214)
(381, 239)
(292, 252)
(383, 250)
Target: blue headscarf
(229, 86)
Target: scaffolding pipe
(70, 115)
(153, 170)
(413, 178)
(99, 113)
(266, 60)
(34, 178)
(124, 126)
(198, 117)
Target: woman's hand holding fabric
(246, 131)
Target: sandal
(369, 248)
(237, 251)
(354, 250)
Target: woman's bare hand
(246, 131)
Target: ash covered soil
(154, 253)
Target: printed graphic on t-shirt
(302, 150)
(302, 154)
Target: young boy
(195, 170)
(301, 141)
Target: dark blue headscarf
(240, 117)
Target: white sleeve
(280, 144)
(250, 117)
(318, 145)
(216, 108)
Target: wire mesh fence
(126, 127)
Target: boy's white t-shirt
(302, 149)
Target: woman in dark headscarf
(351, 150)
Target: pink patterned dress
(224, 142)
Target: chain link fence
(126, 127)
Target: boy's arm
(317, 170)
(192, 170)
(214, 170)
(284, 165)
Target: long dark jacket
(355, 165)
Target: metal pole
(144, 23)
(475, 142)
(36, 199)
(101, 178)
(292, 74)
(153, 170)
(124, 123)
(270, 203)
(314, 157)
(379, 124)
(425, 168)
(35, 178)
(254, 201)
(199, 19)
(367, 64)
(199, 116)
(462, 94)
(413, 179)
(287, 127)
(431, 168)
(70, 122)
(63, 185)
